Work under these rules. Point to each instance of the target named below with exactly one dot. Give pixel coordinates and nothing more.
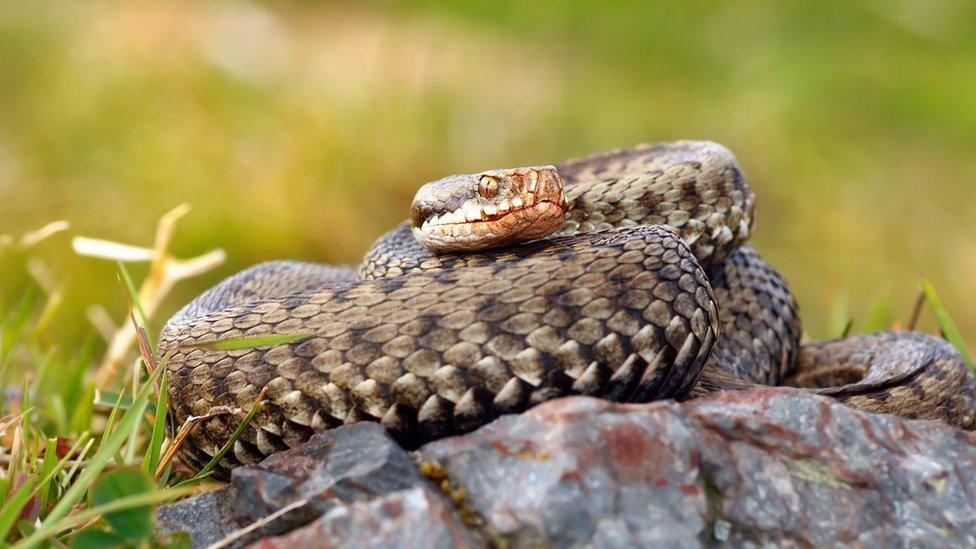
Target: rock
(339, 466)
(294, 487)
(768, 467)
(411, 518)
(206, 517)
(763, 467)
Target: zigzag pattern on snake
(646, 292)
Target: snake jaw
(455, 215)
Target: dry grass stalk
(164, 272)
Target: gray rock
(206, 517)
(764, 467)
(339, 466)
(415, 518)
(292, 488)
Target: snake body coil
(645, 292)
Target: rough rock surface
(410, 518)
(763, 467)
(340, 466)
(770, 466)
(207, 517)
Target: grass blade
(51, 307)
(82, 454)
(205, 472)
(82, 417)
(248, 342)
(949, 329)
(11, 511)
(133, 301)
(14, 505)
(15, 325)
(52, 528)
(879, 317)
(847, 328)
(109, 400)
(151, 458)
(100, 460)
(47, 465)
(110, 422)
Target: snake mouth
(489, 213)
(479, 227)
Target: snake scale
(645, 291)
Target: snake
(624, 275)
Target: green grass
(56, 462)
(946, 324)
(90, 477)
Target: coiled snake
(646, 291)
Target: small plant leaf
(132, 524)
(93, 538)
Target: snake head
(463, 213)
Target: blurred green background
(301, 130)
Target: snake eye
(488, 187)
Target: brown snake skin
(647, 292)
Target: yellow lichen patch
(818, 473)
(526, 455)
(457, 495)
